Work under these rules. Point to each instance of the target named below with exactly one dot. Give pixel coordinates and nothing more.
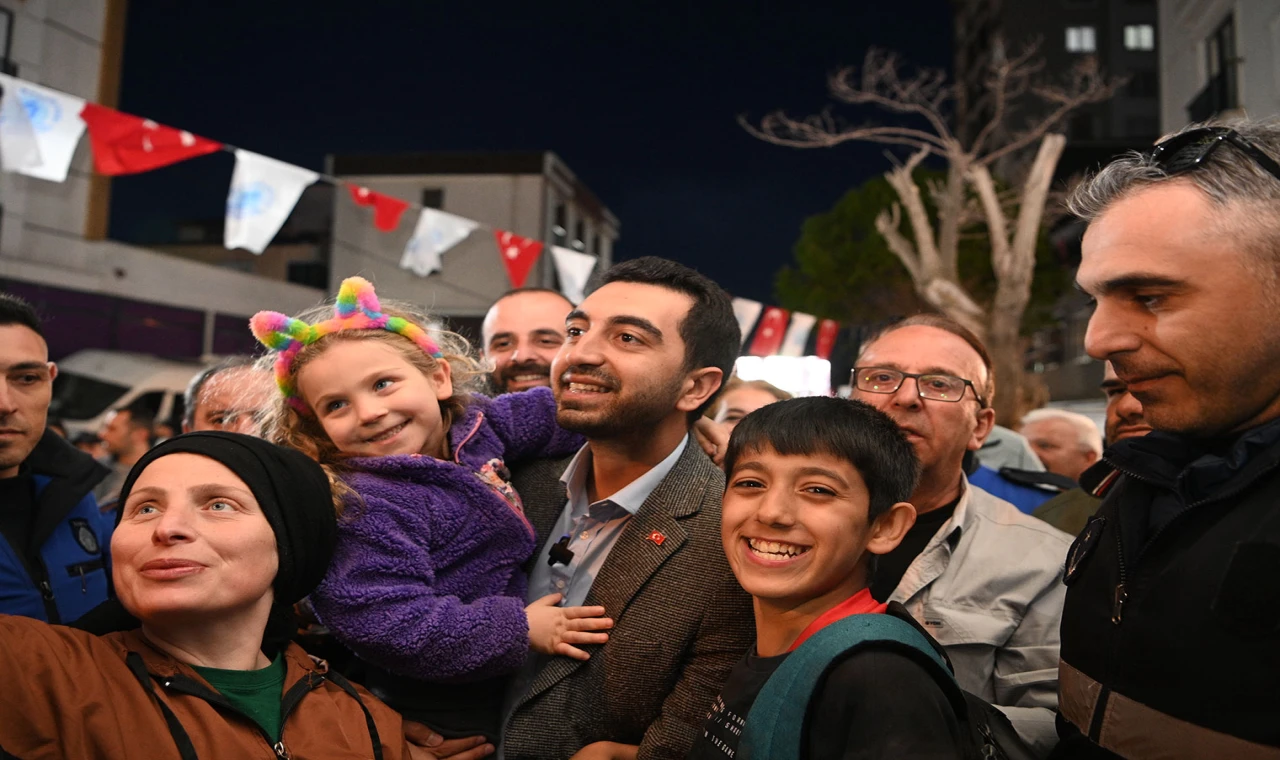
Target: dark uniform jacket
(681, 622)
(65, 571)
(1171, 629)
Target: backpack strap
(776, 721)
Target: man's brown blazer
(681, 622)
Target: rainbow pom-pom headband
(357, 308)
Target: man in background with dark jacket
(54, 559)
(1171, 626)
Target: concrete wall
(1185, 24)
(272, 263)
(473, 275)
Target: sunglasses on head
(1186, 151)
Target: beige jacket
(988, 586)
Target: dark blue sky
(639, 100)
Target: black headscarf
(291, 489)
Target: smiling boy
(816, 489)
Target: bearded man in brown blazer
(639, 531)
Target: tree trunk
(1014, 263)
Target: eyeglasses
(948, 388)
(1187, 151)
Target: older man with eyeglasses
(981, 576)
(1171, 632)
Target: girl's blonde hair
(286, 426)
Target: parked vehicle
(91, 383)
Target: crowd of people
(585, 539)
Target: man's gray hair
(1228, 177)
(1087, 434)
(191, 399)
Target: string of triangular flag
(40, 128)
(782, 332)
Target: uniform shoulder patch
(84, 535)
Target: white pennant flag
(263, 194)
(436, 233)
(39, 129)
(747, 312)
(797, 334)
(574, 269)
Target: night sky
(639, 100)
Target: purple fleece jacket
(426, 579)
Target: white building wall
(1184, 26)
(473, 275)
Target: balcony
(1218, 95)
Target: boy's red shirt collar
(858, 604)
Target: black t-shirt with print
(876, 705)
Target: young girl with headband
(426, 582)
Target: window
(1080, 126)
(1142, 126)
(433, 197)
(558, 232)
(580, 236)
(7, 66)
(1143, 84)
(1081, 39)
(1140, 37)
(80, 397)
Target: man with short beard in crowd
(645, 356)
(521, 334)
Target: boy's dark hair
(850, 430)
(16, 311)
(710, 331)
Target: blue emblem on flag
(250, 200)
(43, 112)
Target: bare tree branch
(997, 225)
(820, 131)
(923, 94)
(888, 224)
(923, 100)
(1086, 85)
(904, 184)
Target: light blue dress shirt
(592, 529)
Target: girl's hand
(555, 630)
(713, 437)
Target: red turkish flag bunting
(386, 210)
(518, 255)
(828, 330)
(127, 144)
(770, 332)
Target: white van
(92, 383)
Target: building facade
(532, 194)
(1218, 58)
(93, 292)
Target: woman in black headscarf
(218, 534)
